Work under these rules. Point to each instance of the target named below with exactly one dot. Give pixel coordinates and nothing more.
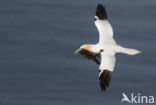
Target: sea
(37, 43)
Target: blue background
(38, 39)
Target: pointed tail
(129, 51)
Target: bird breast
(109, 48)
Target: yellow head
(85, 46)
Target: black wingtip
(101, 12)
(104, 79)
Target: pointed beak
(77, 51)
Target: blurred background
(38, 39)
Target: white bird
(106, 46)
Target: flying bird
(106, 47)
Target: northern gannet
(106, 47)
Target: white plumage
(106, 46)
(107, 61)
(106, 42)
(105, 31)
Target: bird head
(85, 46)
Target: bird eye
(95, 19)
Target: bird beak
(77, 51)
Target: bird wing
(106, 68)
(103, 25)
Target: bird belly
(109, 48)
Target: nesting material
(90, 55)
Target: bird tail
(129, 51)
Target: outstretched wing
(101, 12)
(103, 25)
(106, 68)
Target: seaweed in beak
(87, 54)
